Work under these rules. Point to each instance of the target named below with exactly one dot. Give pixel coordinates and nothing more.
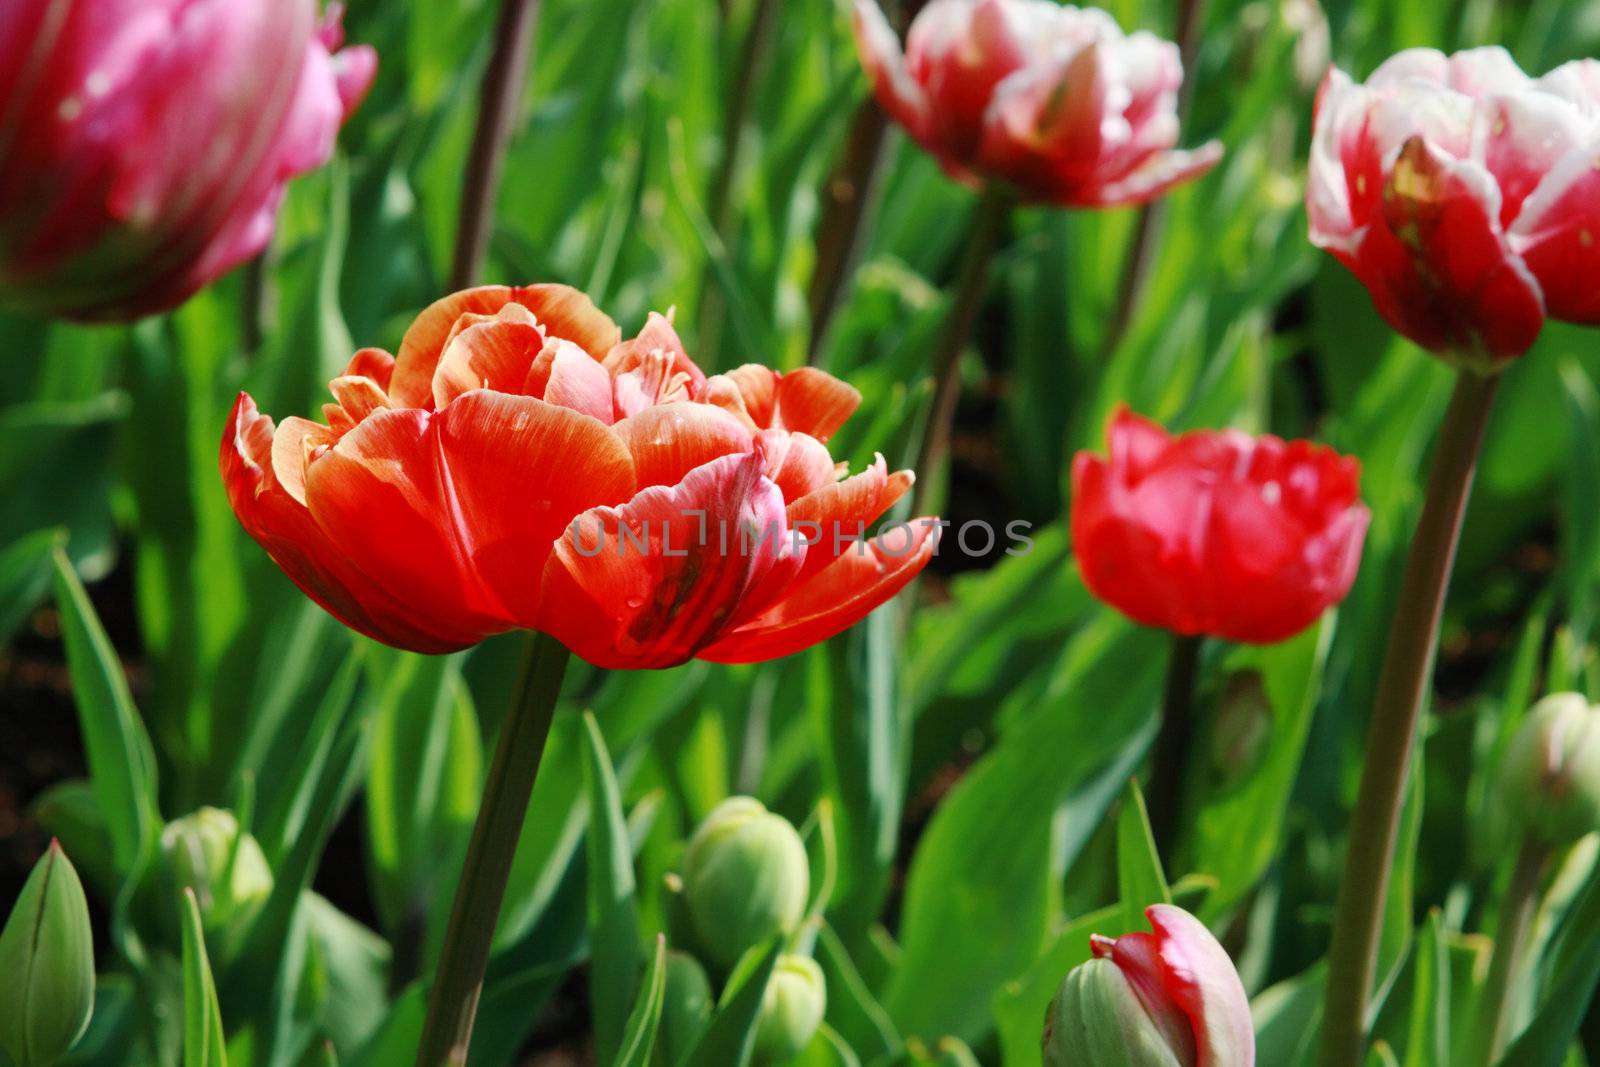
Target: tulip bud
(791, 1010)
(746, 877)
(227, 870)
(1550, 780)
(46, 965)
(1167, 999)
(685, 1006)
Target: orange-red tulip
(518, 465)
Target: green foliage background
(959, 767)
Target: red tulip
(1464, 195)
(1053, 100)
(144, 144)
(519, 466)
(1216, 532)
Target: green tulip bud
(1550, 780)
(746, 877)
(46, 965)
(686, 1005)
(791, 1009)
(227, 870)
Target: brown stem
(1392, 731)
(983, 236)
(503, 82)
(845, 199)
(1172, 743)
(458, 981)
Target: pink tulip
(1053, 100)
(145, 144)
(1464, 195)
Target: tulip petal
(797, 463)
(384, 495)
(670, 440)
(814, 402)
(650, 583)
(519, 470)
(1202, 979)
(267, 495)
(565, 374)
(834, 599)
(560, 309)
(1160, 173)
(495, 353)
(1558, 235)
(835, 517)
(885, 64)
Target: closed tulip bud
(791, 1010)
(686, 1005)
(46, 965)
(746, 877)
(145, 144)
(1550, 780)
(1167, 999)
(227, 870)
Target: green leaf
(25, 569)
(122, 764)
(730, 1037)
(853, 1011)
(1569, 990)
(203, 1043)
(1428, 1044)
(1019, 1005)
(613, 912)
(1140, 880)
(46, 965)
(639, 1039)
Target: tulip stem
(846, 197)
(983, 236)
(1172, 743)
(503, 81)
(1517, 910)
(1392, 731)
(458, 981)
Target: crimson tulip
(519, 466)
(1216, 532)
(145, 144)
(1055, 101)
(1464, 196)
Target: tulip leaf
(639, 1038)
(1252, 747)
(729, 1039)
(1570, 989)
(981, 891)
(613, 912)
(203, 1044)
(1428, 1044)
(26, 567)
(122, 763)
(1140, 879)
(827, 1049)
(853, 1011)
(422, 789)
(46, 965)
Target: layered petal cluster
(145, 144)
(1170, 998)
(519, 466)
(1053, 100)
(1216, 532)
(1464, 195)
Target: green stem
(453, 999)
(503, 81)
(845, 198)
(1392, 731)
(1517, 910)
(1172, 743)
(983, 236)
